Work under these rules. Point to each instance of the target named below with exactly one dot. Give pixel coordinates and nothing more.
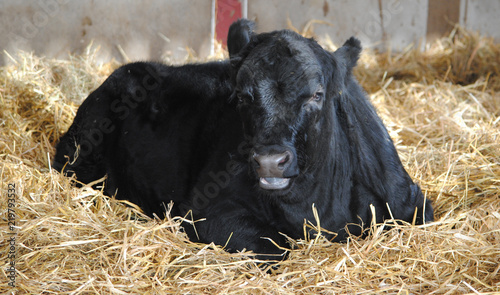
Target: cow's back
(160, 126)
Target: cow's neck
(324, 185)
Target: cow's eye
(317, 97)
(244, 98)
(314, 102)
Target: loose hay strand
(441, 107)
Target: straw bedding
(441, 106)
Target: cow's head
(285, 86)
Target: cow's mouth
(274, 183)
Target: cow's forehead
(282, 64)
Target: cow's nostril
(283, 161)
(256, 159)
(257, 164)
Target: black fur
(191, 134)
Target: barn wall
(139, 29)
(162, 29)
(482, 16)
(375, 23)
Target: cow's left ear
(239, 35)
(349, 53)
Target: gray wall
(162, 29)
(142, 29)
(398, 23)
(482, 16)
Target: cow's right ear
(239, 35)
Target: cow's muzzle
(274, 169)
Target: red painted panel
(227, 11)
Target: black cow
(248, 144)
